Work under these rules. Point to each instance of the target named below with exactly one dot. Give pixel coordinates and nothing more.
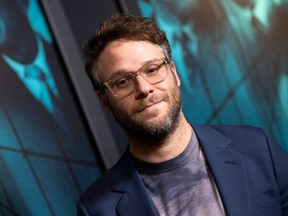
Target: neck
(167, 148)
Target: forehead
(126, 55)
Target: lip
(148, 106)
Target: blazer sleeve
(280, 163)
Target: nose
(142, 87)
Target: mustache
(150, 101)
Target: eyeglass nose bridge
(134, 74)
(139, 73)
(142, 73)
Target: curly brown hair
(121, 26)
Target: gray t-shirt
(183, 185)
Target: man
(172, 167)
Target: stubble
(150, 132)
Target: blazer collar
(226, 165)
(135, 199)
(228, 169)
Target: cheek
(122, 106)
(171, 87)
(170, 83)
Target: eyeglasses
(123, 84)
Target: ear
(104, 102)
(174, 71)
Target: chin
(156, 125)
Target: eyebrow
(125, 71)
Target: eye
(152, 69)
(123, 82)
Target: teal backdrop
(46, 155)
(232, 57)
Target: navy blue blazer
(250, 170)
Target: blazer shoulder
(245, 133)
(101, 186)
(97, 198)
(107, 190)
(231, 130)
(234, 133)
(250, 139)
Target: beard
(152, 132)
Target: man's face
(151, 110)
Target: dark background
(36, 178)
(84, 19)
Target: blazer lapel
(135, 200)
(227, 168)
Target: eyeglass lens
(123, 85)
